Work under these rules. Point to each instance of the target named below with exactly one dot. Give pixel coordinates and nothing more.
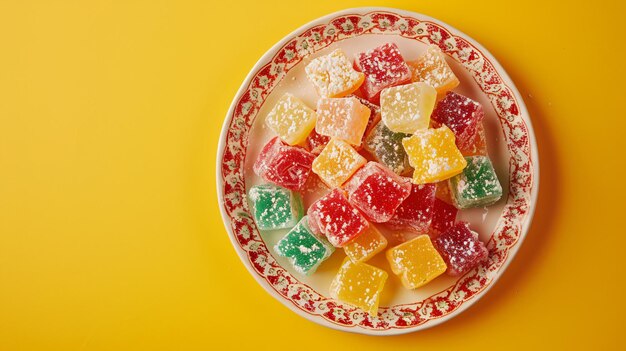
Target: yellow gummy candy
(366, 245)
(432, 68)
(416, 262)
(291, 119)
(407, 108)
(333, 75)
(359, 284)
(337, 162)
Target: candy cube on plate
(337, 162)
(359, 284)
(432, 68)
(477, 185)
(433, 155)
(366, 245)
(377, 191)
(444, 216)
(342, 118)
(462, 115)
(407, 108)
(416, 262)
(304, 249)
(386, 147)
(291, 119)
(479, 147)
(460, 248)
(416, 212)
(333, 75)
(316, 142)
(284, 165)
(274, 207)
(374, 115)
(333, 216)
(384, 67)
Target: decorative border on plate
(509, 226)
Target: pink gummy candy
(377, 191)
(416, 212)
(462, 115)
(284, 165)
(460, 248)
(444, 216)
(333, 216)
(383, 67)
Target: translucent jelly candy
(386, 147)
(407, 108)
(291, 119)
(374, 115)
(384, 67)
(460, 248)
(316, 142)
(333, 216)
(305, 249)
(477, 185)
(416, 262)
(433, 155)
(432, 68)
(274, 207)
(337, 162)
(359, 284)
(462, 115)
(342, 118)
(285, 165)
(479, 147)
(333, 75)
(444, 216)
(377, 191)
(366, 245)
(416, 212)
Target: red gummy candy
(444, 216)
(460, 248)
(284, 165)
(316, 142)
(383, 67)
(416, 212)
(462, 115)
(333, 216)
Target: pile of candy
(402, 151)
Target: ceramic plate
(511, 146)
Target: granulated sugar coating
(416, 212)
(337, 162)
(384, 67)
(460, 248)
(377, 192)
(444, 216)
(305, 249)
(386, 147)
(316, 142)
(407, 108)
(462, 115)
(366, 245)
(477, 185)
(274, 207)
(284, 165)
(432, 68)
(291, 119)
(479, 146)
(342, 118)
(374, 115)
(333, 75)
(333, 216)
(416, 262)
(359, 284)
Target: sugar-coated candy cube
(342, 118)
(284, 165)
(477, 185)
(337, 162)
(479, 147)
(333, 216)
(366, 245)
(443, 191)
(416, 212)
(374, 115)
(444, 216)
(377, 191)
(274, 207)
(384, 67)
(333, 75)
(416, 262)
(432, 68)
(407, 108)
(304, 249)
(460, 248)
(433, 155)
(359, 284)
(462, 115)
(291, 119)
(386, 147)
(316, 142)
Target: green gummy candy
(274, 207)
(477, 185)
(386, 147)
(305, 250)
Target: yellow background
(110, 236)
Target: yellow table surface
(110, 234)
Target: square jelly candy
(359, 284)
(479, 146)
(460, 248)
(384, 67)
(374, 115)
(433, 155)
(386, 147)
(416, 212)
(416, 262)
(432, 68)
(377, 192)
(444, 216)
(291, 119)
(342, 118)
(337, 162)
(284, 165)
(333, 216)
(333, 75)
(304, 249)
(407, 108)
(274, 207)
(462, 115)
(316, 142)
(366, 245)
(477, 185)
